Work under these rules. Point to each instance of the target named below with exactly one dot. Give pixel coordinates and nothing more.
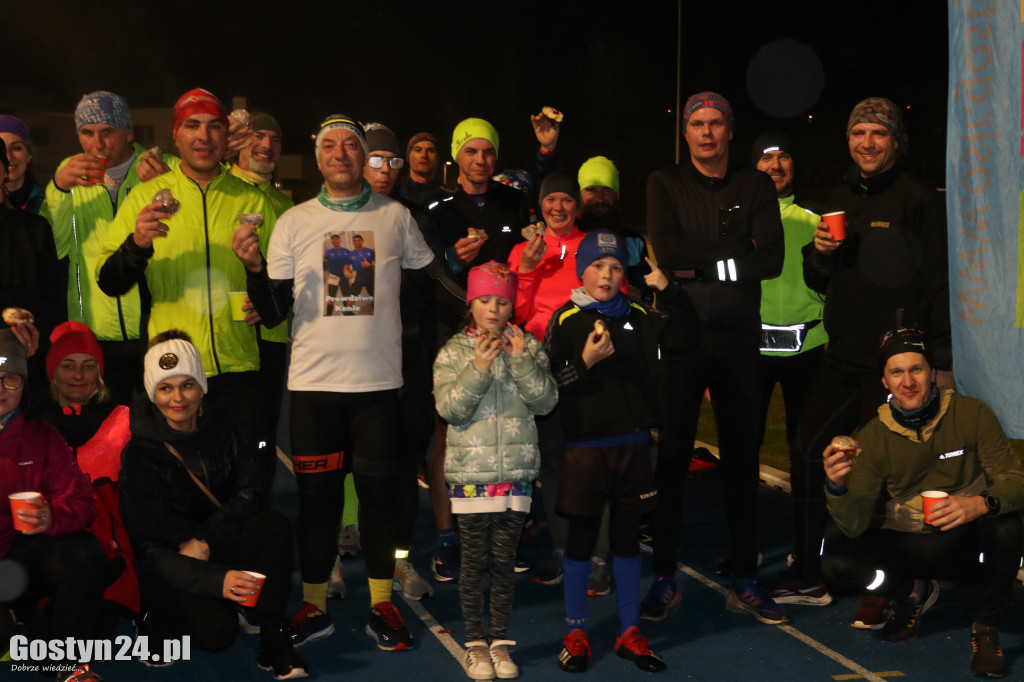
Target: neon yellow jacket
(80, 219)
(785, 299)
(186, 276)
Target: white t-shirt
(346, 335)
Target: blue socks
(574, 585)
(627, 590)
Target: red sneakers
(575, 652)
(632, 646)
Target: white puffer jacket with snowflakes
(492, 436)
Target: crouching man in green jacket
(927, 439)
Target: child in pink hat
(490, 380)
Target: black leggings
(263, 546)
(948, 555)
(67, 570)
(837, 404)
(322, 425)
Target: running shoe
(661, 599)
(411, 584)
(872, 614)
(504, 667)
(789, 589)
(632, 646)
(387, 627)
(575, 652)
(750, 597)
(987, 658)
(905, 621)
(309, 624)
(477, 661)
(446, 563)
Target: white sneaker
(336, 583)
(504, 667)
(348, 541)
(477, 661)
(412, 585)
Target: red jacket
(549, 286)
(34, 457)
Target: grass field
(775, 451)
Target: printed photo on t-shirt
(349, 269)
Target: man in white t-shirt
(345, 372)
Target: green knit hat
(599, 171)
(470, 129)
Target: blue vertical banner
(985, 203)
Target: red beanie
(197, 101)
(68, 338)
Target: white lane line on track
(285, 459)
(793, 632)
(436, 629)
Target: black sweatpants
(67, 571)
(986, 552)
(263, 546)
(728, 363)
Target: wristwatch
(992, 503)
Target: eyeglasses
(12, 382)
(378, 162)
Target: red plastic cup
(253, 598)
(19, 502)
(836, 224)
(928, 499)
(103, 160)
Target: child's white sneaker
(504, 667)
(477, 661)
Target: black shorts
(622, 476)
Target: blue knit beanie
(599, 244)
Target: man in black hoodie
(893, 258)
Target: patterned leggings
(489, 542)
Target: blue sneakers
(661, 599)
(446, 563)
(749, 596)
(309, 624)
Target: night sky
(425, 66)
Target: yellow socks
(315, 594)
(380, 590)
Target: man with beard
(792, 346)
(599, 190)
